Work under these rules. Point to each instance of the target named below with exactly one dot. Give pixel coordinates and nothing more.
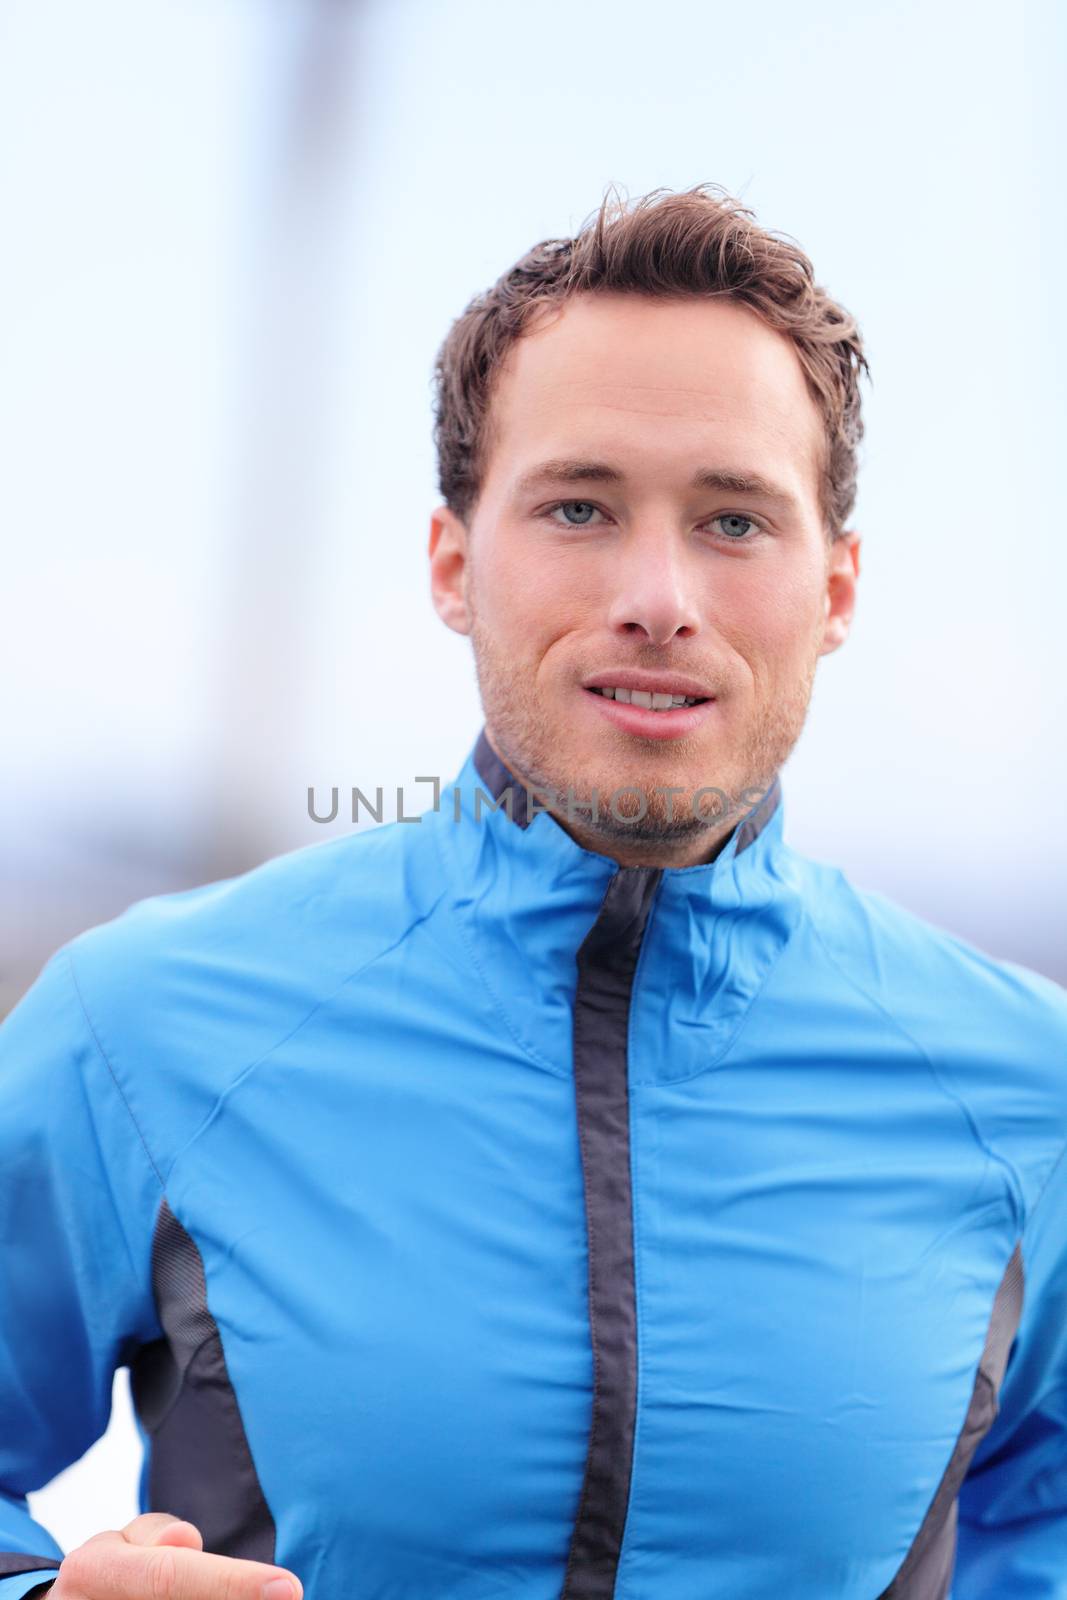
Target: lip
(650, 682)
(677, 723)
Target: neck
(674, 845)
(691, 850)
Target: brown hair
(700, 241)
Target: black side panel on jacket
(926, 1573)
(200, 1465)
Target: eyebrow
(567, 471)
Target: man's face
(605, 552)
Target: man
(578, 1193)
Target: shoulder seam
(323, 1000)
(111, 1071)
(1014, 1183)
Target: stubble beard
(527, 738)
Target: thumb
(161, 1527)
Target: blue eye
(582, 505)
(730, 522)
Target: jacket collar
(526, 895)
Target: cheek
(525, 596)
(769, 618)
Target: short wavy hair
(699, 241)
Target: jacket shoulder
(184, 990)
(894, 952)
(371, 885)
(993, 1030)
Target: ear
(842, 571)
(448, 569)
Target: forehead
(660, 383)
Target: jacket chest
(771, 1324)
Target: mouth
(664, 710)
(648, 699)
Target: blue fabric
(350, 1073)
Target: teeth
(648, 700)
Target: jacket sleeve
(1012, 1538)
(75, 1276)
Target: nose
(654, 598)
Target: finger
(180, 1533)
(111, 1567)
(159, 1527)
(148, 1528)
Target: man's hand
(156, 1557)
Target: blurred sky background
(234, 235)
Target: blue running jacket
(481, 1220)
